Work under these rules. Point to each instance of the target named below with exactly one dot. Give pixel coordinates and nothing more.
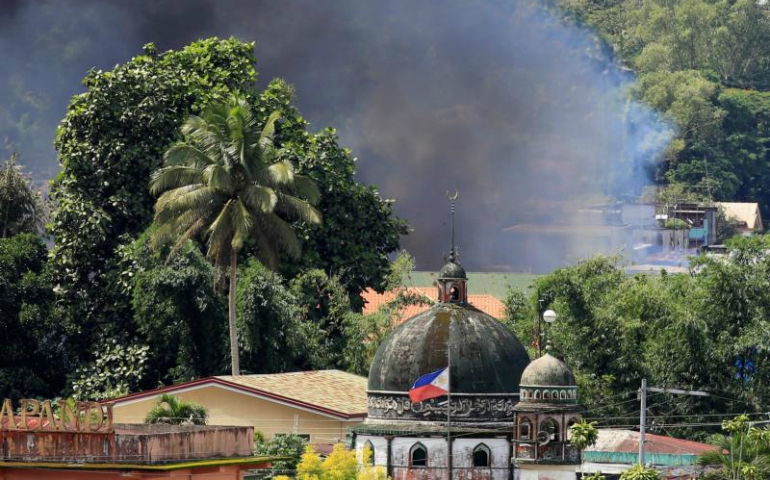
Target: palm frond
(174, 176)
(243, 222)
(221, 231)
(216, 176)
(295, 207)
(279, 233)
(191, 197)
(268, 131)
(306, 188)
(186, 154)
(261, 199)
(281, 173)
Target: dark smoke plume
(522, 113)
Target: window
(562, 395)
(418, 456)
(525, 430)
(481, 456)
(370, 458)
(546, 395)
(551, 428)
(537, 394)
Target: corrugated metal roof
(479, 283)
(627, 441)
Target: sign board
(36, 415)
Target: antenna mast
(453, 203)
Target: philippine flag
(428, 386)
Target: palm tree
(173, 411)
(227, 184)
(744, 453)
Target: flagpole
(449, 404)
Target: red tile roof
(486, 303)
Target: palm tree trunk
(236, 364)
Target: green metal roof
(481, 283)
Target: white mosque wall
(380, 446)
(462, 460)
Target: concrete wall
(546, 472)
(209, 473)
(462, 457)
(230, 407)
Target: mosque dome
(548, 380)
(452, 270)
(486, 359)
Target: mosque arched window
(370, 459)
(551, 427)
(481, 456)
(537, 394)
(546, 395)
(418, 456)
(525, 429)
(563, 395)
(554, 394)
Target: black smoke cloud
(522, 113)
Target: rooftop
(622, 446)
(746, 213)
(486, 303)
(333, 392)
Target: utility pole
(643, 413)
(642, 419)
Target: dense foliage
(706, 65)
(706, 330)
(114, 136)
(743, 451)
(22, 209)
(34, 359)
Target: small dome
(547, 371)
(452, 270)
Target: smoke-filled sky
(522, 113)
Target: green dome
(452, 270)
(487, 358)
(547, 371)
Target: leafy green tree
(174, 411)
(226, 184)
(116, 371)
(22, 209)
(290, 446)
(273, 337)
(112, 139)
(176, 311)
(324, 305)
(36, 353)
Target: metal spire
(453, 202)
